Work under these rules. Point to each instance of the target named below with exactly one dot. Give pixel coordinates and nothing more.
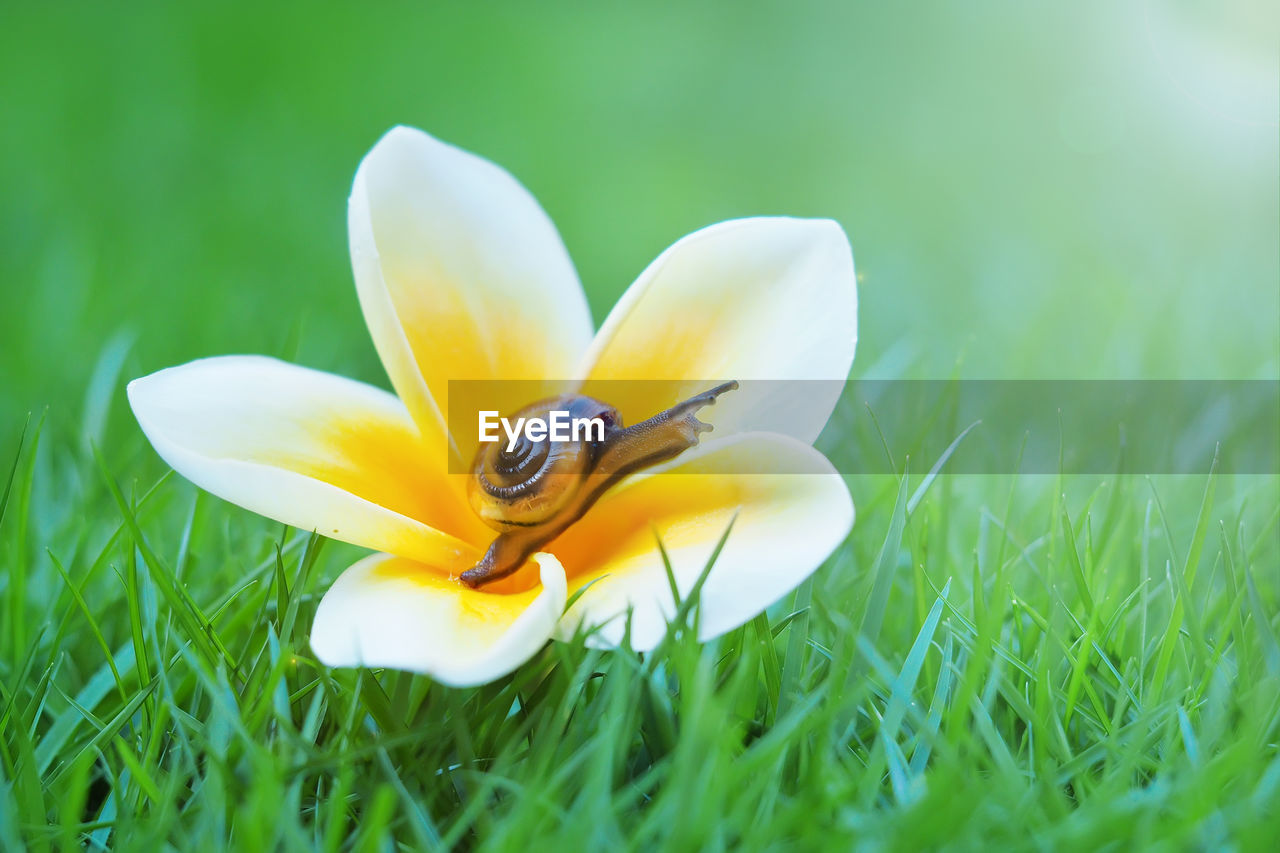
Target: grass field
(1032, 661)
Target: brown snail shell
(529, 484)
(533, 491)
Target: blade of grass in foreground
(882, 580)
(13, 469)
(108, 730)
(687, 605)
(17, 594)
(94, 627)
(8, 815)
(797, 642)
(198, 628)
(1184, 608)
(900, 693)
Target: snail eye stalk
(532, 506)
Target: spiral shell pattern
(528, 484)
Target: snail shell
(531, 483)
(532, 492)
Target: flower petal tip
(389, 612)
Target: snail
(530, 491)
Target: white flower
(461, 275)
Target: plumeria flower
(461, 275)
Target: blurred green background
(1082, 192)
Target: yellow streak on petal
(763, 481)
(387, 611)
(682, 508)
(387, 463)
(787, 518)
(480, 610)
(464, 274)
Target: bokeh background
(1088, 191)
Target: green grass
(1035, 661)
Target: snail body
(530, 490)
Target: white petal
(789, 508)
(310, 449)
(460, 273)
(386, 612)
(748, 299)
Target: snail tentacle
(623, 451)
(662, 437)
